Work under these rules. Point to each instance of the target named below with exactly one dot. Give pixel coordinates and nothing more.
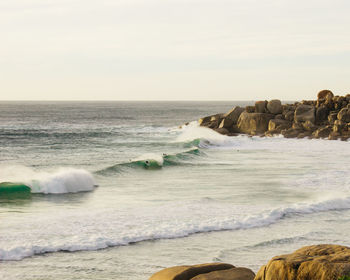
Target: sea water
(120, 191)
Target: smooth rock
(318, 262)
(324, 94)
(234, 114)
(187, 272)
(254, 123)
(304, 113)
(278, 124)
(275, 106)
(260, 106)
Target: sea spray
(173, 220)
(63, 180)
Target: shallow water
(166, 195)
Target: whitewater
(120, 190)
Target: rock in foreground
(209, 271)
(318, 262)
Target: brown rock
(205, 120)
(318, 262)
(321, 114)
(324, 94)
(304, 134)
(304, 113)
(234, 114)
(290, 133)
(289, 116)
(278, 124)
(237, 273)
(309, 126)
(333, 135)
(222, 130)
(279, 117)
(187, 272)
(254, 123)
(323, 132)
(274, 106)
(344, 115)
(250, 109)
(260, 106)
(226, 123)
(332, 117)
(338, 126)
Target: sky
(173, 49)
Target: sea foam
(95, 230)
(63, 180)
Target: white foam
(92, 230)
(63, 180)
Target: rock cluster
(317, 262)
(326, 117)
(208, 271)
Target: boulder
(274, 106)
(338, 126)
(318, 262)
(234, 114)
(323, 132)
(309, 126)
(260, 106)
(289, 116)
(187, 272)
(304, 113)
(226, 123)
(254, 123)
(237, 273)
(344, 115)
(290, 133)
(250, 109)
(203, 121)
(334, 135)
(321, 114)
(275, 124)
(325, 94)
(279, 117)
(222, 130)
(332, 117)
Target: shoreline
(327, 117)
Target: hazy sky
(173, 49)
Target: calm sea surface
(119, 191)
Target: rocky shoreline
(327, 117)
(317, 262)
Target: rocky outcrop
(209, 271)
(318, 262)
(326, 117)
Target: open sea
(119, 191)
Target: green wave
(14, 190)
(152, 164)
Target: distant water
(119, 191)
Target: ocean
(120, 190)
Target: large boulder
(321, 114)
(188, 272)
(318, 262)
(275, 106)
(254, 123)
(323, 132)
(276, 124)
(344, 115)
(304, 113)
(325, 94)
(260, 106)
(234, 114)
